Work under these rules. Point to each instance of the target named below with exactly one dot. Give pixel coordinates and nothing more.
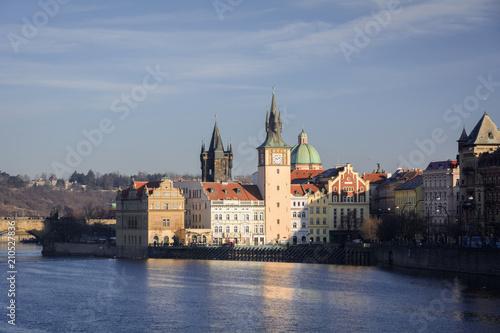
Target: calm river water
(160, 295)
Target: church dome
(303, 155)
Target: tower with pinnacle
(274, 178)
(216, 163)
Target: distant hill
(40, 200)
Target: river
(161, 295)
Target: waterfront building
(409, 198)
(348, 203)
(222, 212)
(148, 213)
(386, 200)
(303, 156)
(484, 138)
(216, 163)
(376, 178)
(441, 194)
(274, 179)
(299, 214)
(489, 167)
(317, 201)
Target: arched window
(303, 225)
(261, 216)
(294, 225)
(235, 228)
(255, 229)
(247, 229)
(247, 217)
(227, 217)
(216, 217)
(255, 216)
(303, 213)
(220, 217)
(228, 229)
(294, 214)
(261, 229)
(235, 217)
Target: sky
(134, 86)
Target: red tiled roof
(439, 165)
(375, 178)
(140, 188)
(304, 188)
(229, 191)
(301, 176)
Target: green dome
(303, 153)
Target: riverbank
(458, 260)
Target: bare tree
(369, 228)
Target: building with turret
(484, 138)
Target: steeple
(216, 142)
(463, 137)
(216, 163)
(273, 128)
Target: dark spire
(463, 137)
(216, 142)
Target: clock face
(277, 158)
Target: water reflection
(157, 295)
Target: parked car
(228, 244)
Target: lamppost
(447, 222)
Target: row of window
(299, 214)
(166, 206)
(257, 229)
(245, 217)
(318, 231)
(294, 225)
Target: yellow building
(148, 213)
(409, 197)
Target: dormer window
(211, 190)
(238, 190)
(225, 191)
(490, 135)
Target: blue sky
(389, 82)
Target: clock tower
(274, 179)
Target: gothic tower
(216, 163)
(274, 179)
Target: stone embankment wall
(461, 260)
(77, 249)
